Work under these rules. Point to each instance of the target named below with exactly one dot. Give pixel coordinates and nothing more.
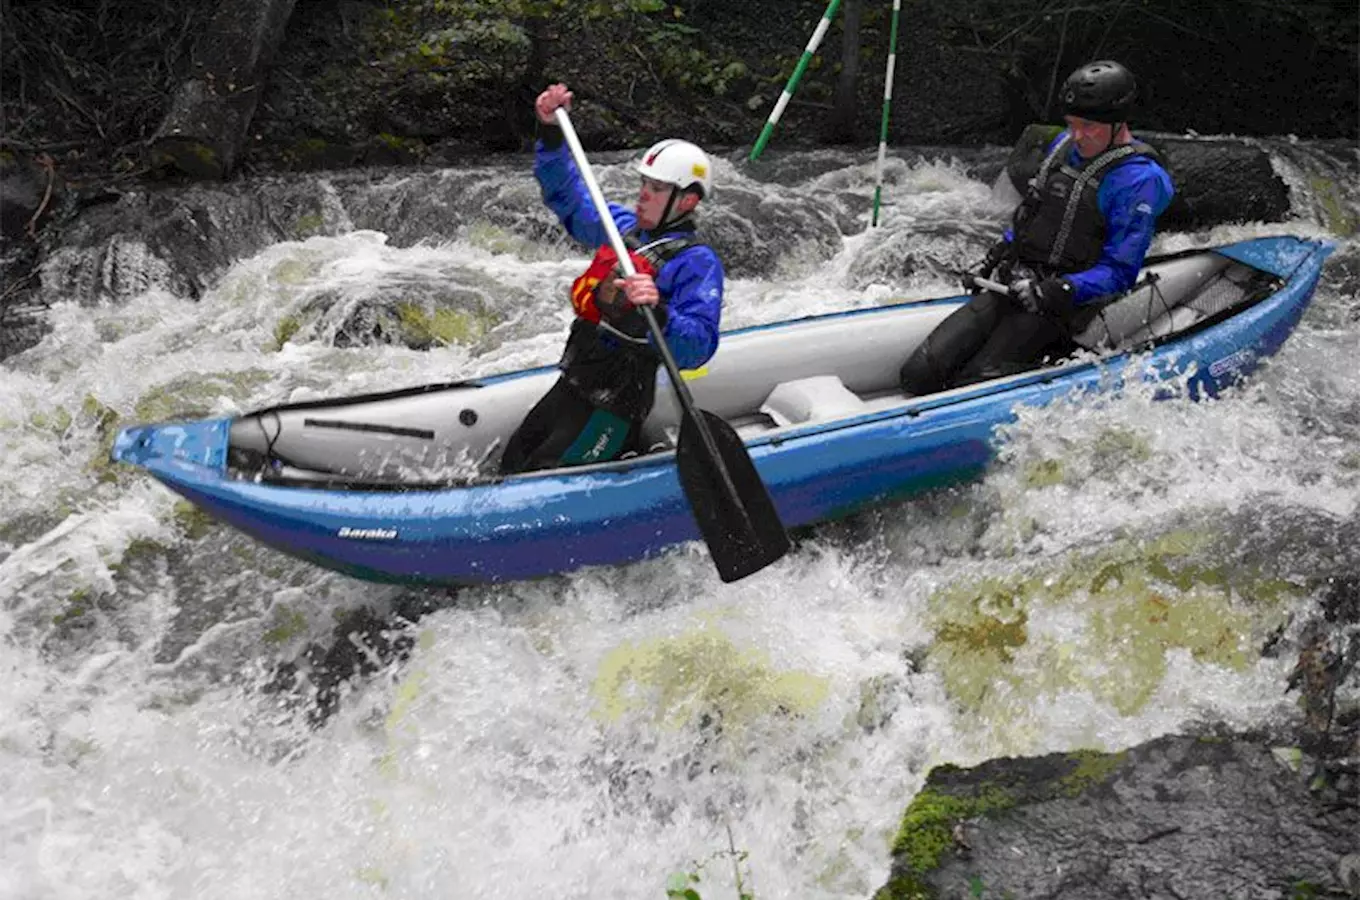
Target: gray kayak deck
(764, 380)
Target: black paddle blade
(735, 513)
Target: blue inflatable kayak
(402, 486)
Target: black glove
(999, 251)
(1050, 297)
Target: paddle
(733, 509)
(990, 285)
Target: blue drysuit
(1131, 196)
(690, 284)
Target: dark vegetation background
(363, 82)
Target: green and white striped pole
(798, 71)
(887, 105)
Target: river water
(1114, 578)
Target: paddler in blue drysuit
(594, 412)
(1079, 236)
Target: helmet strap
(1114, 133)
(666, 221)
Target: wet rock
(1328, 663)
(362, 644)
(176, 239)
(181, 239)
(30, 191)
(31, 195)
(21, 328)
(454, 317)
(1348, 873)
(1221, 181)
(753, 233)
(1176, 817)
(937, 251)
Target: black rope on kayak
(1154, 295)
(268, 440)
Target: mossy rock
(391, 149)
(1138, 600)
(424, 328)
(192, 521)
(285, 624)
(80, 602)
(1337, 216)
(284, 330)
(419, 324)
(952, 796)
(192, 396)
(188, 155)
(697, 677)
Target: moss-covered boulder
(1177, 817)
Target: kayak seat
(763, 380)
(810, 400)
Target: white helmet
(679, 163)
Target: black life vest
(1058, 226)
(610, 362)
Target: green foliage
(449, 44)
(681, 60)
(681, 885)
(1037, 44)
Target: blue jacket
(1131, 197)
(691, 283)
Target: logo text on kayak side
(1233, 362)
(368, 534)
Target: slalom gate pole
(797, 75)
(887, 105)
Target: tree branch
(1057, 61)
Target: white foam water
(605, 733)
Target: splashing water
(1113, 578)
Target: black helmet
(1101, 91)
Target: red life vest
(604, 266)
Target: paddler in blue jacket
(595, 410)
(1079, 235)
